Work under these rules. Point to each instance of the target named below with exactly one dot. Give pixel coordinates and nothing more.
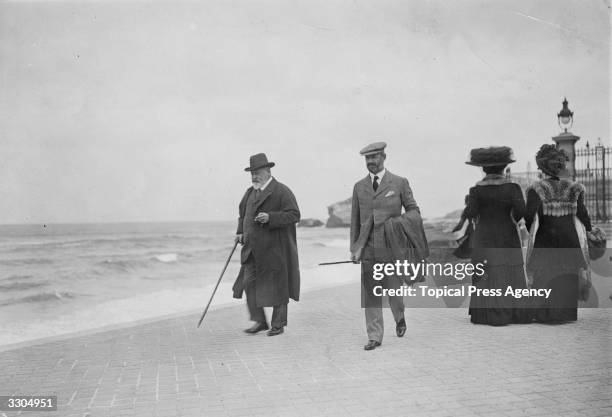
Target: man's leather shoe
(257, 327)
(400, 329)
(274, 331)
(372, 344)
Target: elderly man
(377, 225)
(270, 273)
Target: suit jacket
(273, 245)
(370, 210)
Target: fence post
(604, 184)
(597, 213)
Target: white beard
(256, 185)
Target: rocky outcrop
(310, 223)
(438, 230)
(455, 214)
(339, 214)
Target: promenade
(444, 366)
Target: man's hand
(356, 256)
(239, 239)
(262, 218)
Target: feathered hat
(491, 156)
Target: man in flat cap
(381, 233)
(270, 273)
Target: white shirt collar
(379, 175)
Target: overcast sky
(138, 111)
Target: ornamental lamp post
(567, 140)
(565, 116)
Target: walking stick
(338, 262)
(218, 282)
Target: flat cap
(373, 148)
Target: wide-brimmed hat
(491, 156)
(258, 161)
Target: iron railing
(593, 170)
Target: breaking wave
(40, 297)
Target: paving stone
(444, 366)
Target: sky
(149, 111)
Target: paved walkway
(444, 366)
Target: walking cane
(339, 262)
(218, 282)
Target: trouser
(279, 313)
(373, 304)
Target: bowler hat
(491, 156)
(258, 161)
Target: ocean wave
(19, 277)
(26, 261)
(40, 297)
(197, 254)
(16, 286)
(128, 241)
(41, 246)
(166, 257)
(139, 263)
(215, 253)
(122, 264)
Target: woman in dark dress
(557, 219)
(496, 205)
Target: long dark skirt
(499, 310)
(562, 305)
(557, 269)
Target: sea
(59, 279)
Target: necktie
(375, 183)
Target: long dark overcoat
(273, 246)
